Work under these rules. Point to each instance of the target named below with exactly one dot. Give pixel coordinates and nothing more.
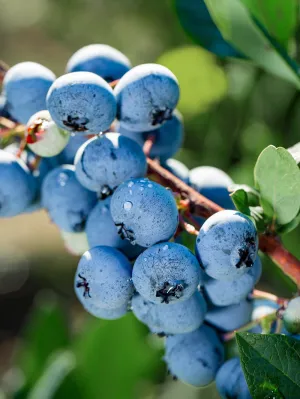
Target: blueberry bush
(183, 272)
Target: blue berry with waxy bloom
(67, 202)
(229, 318)
(25, 86)
(178, 318)
(106, 314)
(144, 212)
(167, 273)
(43, 137)
(225, 293)
(177, 168)
(101, 59)
(231, 382)
(194, 358)
(101, 230)
(167, 138)
(105, 161)
(146, 97)
(81, 102)
(18, 188)
(227, 245)
(213, 183)
(67, 155)
(103, 278)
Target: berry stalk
(201, 206)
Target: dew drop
(127, 205)
(165, 248)
(130, 192)
(150, 185)
(130, 184)
(142, 189)
(62, 179)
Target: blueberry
(101, 230)
(291, 316)
(44, 138)
(213, 183)
(145, 212)
(178, 169)
(103, 278)
(231, 382)
(106, 314)
(75, 243)
(168, 138)
(67, 202)
(81, 102)
(18, 188)
(67, 155)
(194, 358)
(101, 59)
(25, 86)
(179, 318)
(225, 293)
(166, 273)
(4, 107)
(105, 161)
(146, 97)
(229, 318)
(227, 245)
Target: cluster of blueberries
(91, 180)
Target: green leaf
(46, 332)
(197, 21)
(188, 240)
(279, 17)
(115, 358)
(238, 27)
(240, 200)
(271, 365)
(277, 177)
(252, 194)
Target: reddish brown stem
(257, 294)
(187, 227)
(114, 83)
(201, 206)
(149, 144)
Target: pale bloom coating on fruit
(231, 382)
(106, 314)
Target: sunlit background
(232, 111)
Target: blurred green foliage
(232, 111)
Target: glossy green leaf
(279, 17)
(198, 23)
(240, 199)
(271, 365)
(252, 194)
(115, 357)
(277, 177)
(46, 332)
(239, 28)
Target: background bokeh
(232, 111)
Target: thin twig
(114, 83)
(149, 144)
(257, 294)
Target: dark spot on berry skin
(245, 252)
(198, 240)
(105, 192)
(83, 283)
(75, 123)
(161, 335)
(125, 234)
(113, 155)
(161, 115)
(169, 290)
(203, 362)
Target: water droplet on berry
(130, 184)
(127, 205)
(150, 185)
(165, 248)
(62, 179)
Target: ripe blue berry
(168, 138)
(4, 107)
(291, 316)
(229, 318)
(144, 211)
(178, 318)
(67, 155)
(177, 168)
(67, 202)
(213, 183)
(105, 161)
(103, 278)
(166, 273)
(44, 138)
(146, 97)
(225, 293)
(231, 381)
(101, 59)
(18, 188)
(81, 102)
(194, 358)
(101, 230)
(25, 86)
(106, 314)
(227, 245)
